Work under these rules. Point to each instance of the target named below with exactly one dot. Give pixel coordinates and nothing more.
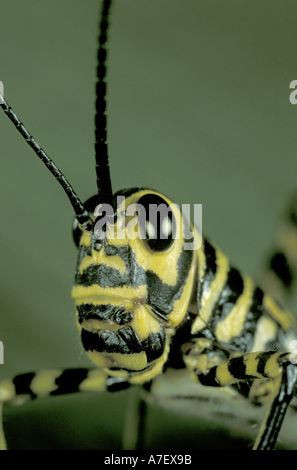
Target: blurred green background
(198, 107)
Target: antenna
(101, 149)
(101, 152)
(79, 209)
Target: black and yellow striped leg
(55, 382)
(256, 365)
(272, 422)
(259, 365)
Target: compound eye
(156, 222)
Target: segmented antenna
(101, 150)
(79, 209)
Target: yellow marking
(199, 363)
(265, 333)
(272, 367)
(209, 298)
(164, 265)
(261, 391)
(144, 321)
(95, 381)
(81, 293)
(7, 390)
(116, 234)
(251, 364)
(123, 374)
(181, 305)
(223, 375)
(44, 382)
(85, 238)
(134, 362)
(283, 318)
(105, 300)
(94, 325)
(196, 356)
(100, 359)
(233, 324)
(115, 262)
(201, 262)
(142, 376)
(154, 371)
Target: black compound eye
(156, 222)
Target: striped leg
(271, 425)
(259, 365)
(53, 383)
(256, 365)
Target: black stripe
(124, 341)
(103, 275)
(162, 296)
(154, 345)
(230, 293)
(183, 335)
(211, 259)
(237, 368)
(245, 340)
(159, 314)
(122, 251)
(262, 361)
(232, 290)
(69, 381)
(280, 266)
(115, 384)
(22, 384)
(210, 270)
(257, 302)
(108, 312)
(209, 379)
